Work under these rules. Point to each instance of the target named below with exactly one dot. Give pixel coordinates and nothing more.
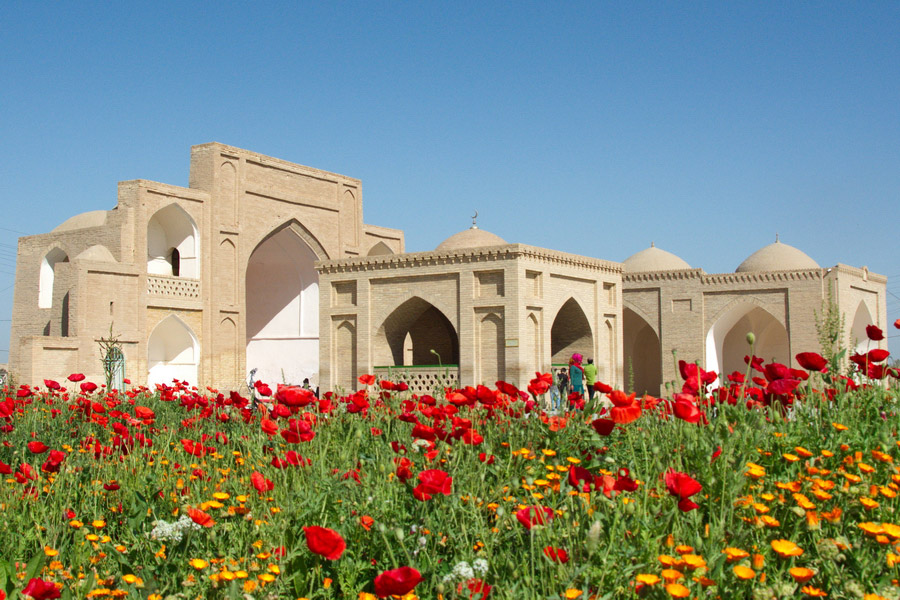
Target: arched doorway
(282, 299)
(726, 341)
(643, 354)
(570, 333)
(172, 244)
(172, 353)
(416, 333)
(859, 339)
(48, 276)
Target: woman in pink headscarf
(576, 374)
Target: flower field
(772, 483)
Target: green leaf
(34, 566)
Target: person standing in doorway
(590, 376)
(562, 383)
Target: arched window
(47, 276)
(172, 229)
(172, 353)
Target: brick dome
(777, 257)
(654, 259)
(471, 238)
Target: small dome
(94, 218)
(471, 238)
(654, 259)
(96, 253)
(777, 257)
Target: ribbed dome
(471, 238)
(777, 257)
(94, 218)
(654, 259)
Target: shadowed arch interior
(726, 341)
(570, 333)
(643, 354)
(428, 329)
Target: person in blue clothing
(576, 375)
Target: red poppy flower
(897, 323)
(686, 410)
(53, 386)
(875, 334)
(478, 589)
(877, 355)
(603, 426)
(534, 515)
(325, 542)
(601, 387)
(88, 387)
(37, 447)
(200, 518)
(625, 408)
(397, 582)
(486, 459)
(812, 361)
(261, 484)
(142, 412)
(782, 387)
(508, 389)
(433, 481)
(367, 379)
(558, 555)
(682, 486)
(39, 589)
(262, 389)
(76, 377)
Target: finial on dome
(652, 245)
(474, 226)
(776, 238)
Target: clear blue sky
(591, 128)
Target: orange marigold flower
(742, 572)
(868, 503)
(671, 575)
(801, 574)
(813, 592)
(647, 579)
(839, 426)
(801, 451)
(786, 548)
(734, 554)
(676, 590)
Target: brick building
(265, 266)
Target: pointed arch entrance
(859, 339)
(416, 333)
(643, 353)
(570, 333)
(172, 244)
(282, 300)
(172, 353)
(726, 341)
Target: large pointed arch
(570, 333)
(173, 243)
(859, 339)
(643, 353)
(282, 305)
(173, 352)
(726, 340)
(48, 276)
(428, 329)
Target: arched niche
(172, 353)
(491, 349)
(282, 309)
(643, 353)
(48, 276)
(726, 340)
(570, 333)
(411, 332)
(172, 244)
(859, 339)
(380, 249)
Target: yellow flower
(573, 460)
(671, 575)
(367, 596)
(198, 563)
(76, 524)
(98, 523)
(647, 579)
(266, 577)
(790, 457)
(50, 551)
(132, 579)
(572, 593)
(221, 496)
(786, 548)
(742, 572)
(839, 427)
(868, 503)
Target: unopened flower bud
(751, 339)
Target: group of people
(577, 378)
